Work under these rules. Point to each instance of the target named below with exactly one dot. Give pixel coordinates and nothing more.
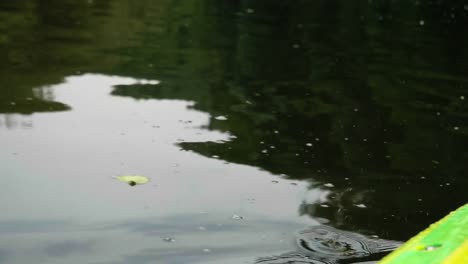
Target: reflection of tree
(362, 83)
(332, 74)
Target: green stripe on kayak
(443, 242)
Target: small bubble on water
(438, 113)
(329, 185)
(276, 132)
(421, 22)
(202, 228)
(221, 118)
(317, 139)
(346, 139)
(465, 7)
(462, 97)
(237, 217)
(207, 250)
(324, 205)
(272, 147)
(265, 151)
(169, 239)
(215, 156)
(355, 109)
(456, 128)
(360, 205)
(296, 46)
(309, 144)
(250, 10)
(364, 139)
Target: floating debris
(237, 217)
(221, 118)
(133, 180)
(169, 239)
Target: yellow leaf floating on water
(133, 180)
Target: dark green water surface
(283, 113)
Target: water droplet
(432, 247)
(421, 22)
(329, 185)
(221, 118)
(309, 144)
(360, 205)
(237, 217)
(169, 239)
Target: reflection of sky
(58, 186)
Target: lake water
(252, 119)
